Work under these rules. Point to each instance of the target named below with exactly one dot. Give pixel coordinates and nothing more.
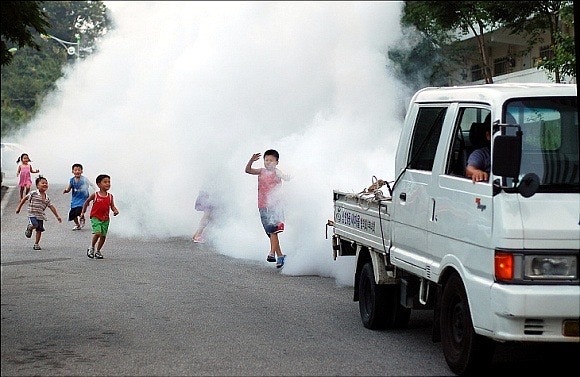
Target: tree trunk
(488, 76)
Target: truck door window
(426, 137)
(460, 144)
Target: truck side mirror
(529, 185)
(507, 155)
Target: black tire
(380, 304)
(464, 350)
(371, 301)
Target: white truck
(496, 261)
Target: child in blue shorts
(270, 201)
(38, 200)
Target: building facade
(509, 58)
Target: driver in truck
(479, 161)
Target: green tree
(18, 17)
(531, 19)
(85, 20)
(444, 22)
(33, 72)
(418, 61)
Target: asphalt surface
(169, 307)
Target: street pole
(78, 37)
(72, 48)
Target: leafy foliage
(421, 63)
(17, 19)
(443, 22)
(32, 73)
(85, 19)
(531, 18)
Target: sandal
(198, 240)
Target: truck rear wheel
(464, 350)
(380, 304)
(371, 301)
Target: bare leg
(96, 237)
(275, 244)
(101, 242)
(38, 235)
(21, 192)
(202, 224)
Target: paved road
(174, 308)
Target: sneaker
(36, 247)
(280, 262)
(271, 258)
(91, 253)
(28, 232)
(198, 240)
(98, 255)
(76, 227)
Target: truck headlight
(550, 267)
(526, 266)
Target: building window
(546, 52)
(501, 66)
(476, 72)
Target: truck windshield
(550, 140)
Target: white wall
(532, 75)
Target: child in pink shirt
(270, 201)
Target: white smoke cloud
(181, 94)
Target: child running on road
(270, 201)
(23, 172)
(79, 185)
(37, 202)
(204, 203)
(103, 203)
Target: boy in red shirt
(270, 201)
(103, 203)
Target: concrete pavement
(169, 307)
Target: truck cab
(510, 243)
(496, 259)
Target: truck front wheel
(464, 350)
(371, 299)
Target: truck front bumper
(546, 313)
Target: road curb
(6, 199)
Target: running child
(24, 174)
(37, 200)
(270, 201)
(79, 184)
(103, 203)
